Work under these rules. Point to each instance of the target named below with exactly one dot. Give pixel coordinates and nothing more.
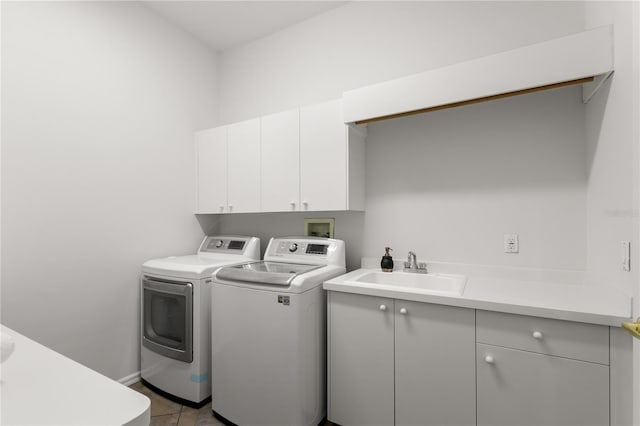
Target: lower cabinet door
(517, 387)
(360, 358)
(435, 365)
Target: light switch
(511, 244)
(625, 257)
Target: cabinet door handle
(537, 335)
(383, 307)
(293, 205)
(404, 311)
(221, 208)
(305, 205)
(489, 359)
(230, 207)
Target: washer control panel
(302, 248)
(306, 250)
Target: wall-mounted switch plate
(625, 247)
(511, 244)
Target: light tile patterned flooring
(165, 412)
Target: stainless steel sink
(448, 284)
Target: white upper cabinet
(211, 170)
(331, 160)
(281, 161)
(298, 160)
(243, 166)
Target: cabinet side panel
(621, 377)
(356, 169)
(360, 360)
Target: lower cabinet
(360, 359)
(541, 371)
(397, 362)
(400, 362)
(517, 387)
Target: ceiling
(227, 24)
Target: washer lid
(265, 272)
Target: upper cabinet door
(323, 157)
(211, 170)
(281, 161)
(243, 153)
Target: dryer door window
(168, 318)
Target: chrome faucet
(412, 264)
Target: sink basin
(446, 284)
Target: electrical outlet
(625, 257)
(511, 244)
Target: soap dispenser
(387, 261)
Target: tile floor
(165, 412)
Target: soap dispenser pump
(387, 261)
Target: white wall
(611, 203)
(99, 104)
(636, 178)
(436, 183)
(449, 184)
(366, 42)
(348, 227)
(613, 137)
(612, 161)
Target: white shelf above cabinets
(583, 58)
(303, 159)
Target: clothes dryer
(175, 352)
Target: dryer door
(167, 318)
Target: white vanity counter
(39, 386)
(555, 294)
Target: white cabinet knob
(489, 359)
(383, 307)
(305, 205)
(293, 205)
(404, 311)
(221, 208)
(537, 335)
(230, 207)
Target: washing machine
(175, 353)
(269, 334)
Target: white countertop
(524, 292)
(39, 386)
